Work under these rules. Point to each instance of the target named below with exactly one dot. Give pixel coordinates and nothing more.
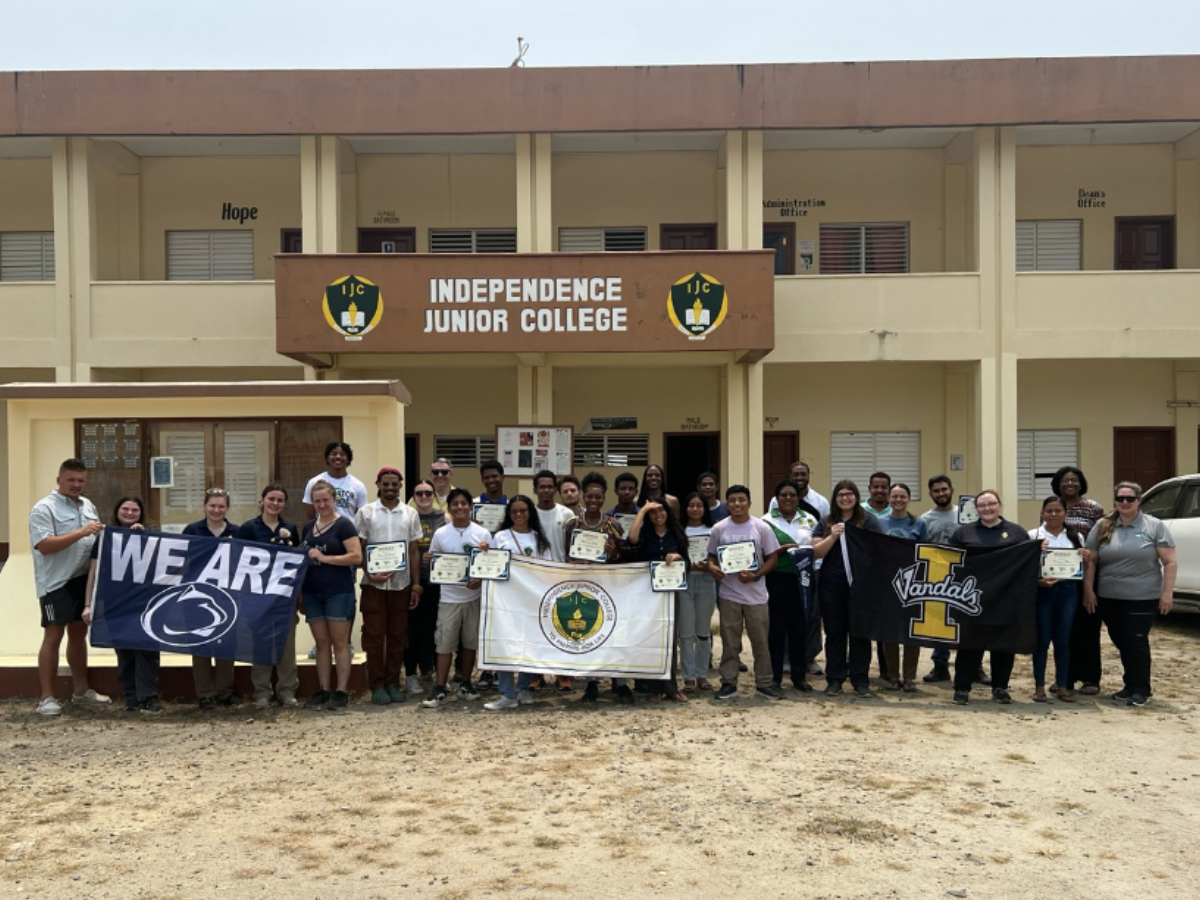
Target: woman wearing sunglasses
(1130, 576)
(213, 677)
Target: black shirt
(260, 532)
(833, 566)
(652, 547)
(201, 529)
(975, 534)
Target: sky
(370, 34)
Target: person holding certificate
(788, 633)
(391, 533)
(1083, 514)
(521, 535)
(1056, 602)
(626, 486)
(489, 512)
(458, 612)
(693, 621)
(662, 540)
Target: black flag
(938, 596)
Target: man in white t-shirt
(552, 516)
(810, 500)
(350, 493)
(744, 594)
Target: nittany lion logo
(577, 616)
(189, 615)
(697, 305)
(352, 306)
(929, 582)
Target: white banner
(569, 619)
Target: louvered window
(873, 249)
(187, 449)
(583, 240)
(247, 466)
(1051, 245)
(613, 450)
(27, 256)
(1040, 454)
(210, 255)
(857, 454)
(464, 451)
(473, 240)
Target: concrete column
(74, 255)
(1187, 418)
(1187, 204)
(733, 426)
(535, 228)
(535, 404)
(324, 160)
(739, 191)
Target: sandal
(910, 687)
(677, 697)
(1041, 698)
(654, 698)
(703, 684)
(1066, 695)
(893, 684)
(1090, 689)
(688, 686)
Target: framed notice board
(525, 450)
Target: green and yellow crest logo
(697, 305)
(577, 616)
(352, 306)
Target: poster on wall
(524, 450)
(806, 252)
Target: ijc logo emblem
(577, 616)
(189, 615)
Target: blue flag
(201, 596)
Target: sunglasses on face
(1125, 498)
(216, 492)
(440, 472)
(422, 493)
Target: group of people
(412, 627)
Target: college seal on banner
(577, 616)
(352, 306)
(697, 305)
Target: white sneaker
(502, 703)
(413, 686)
(90, 698)
(262, 703)
(287, 700)
(440, 698)
(49, 707)
(525, 698)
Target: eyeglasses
(216, 492)
(844, 494)
(1125, 498)
(519, 511)
(422, 493)
(790, 494)
(437, 472)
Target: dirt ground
(898, 796)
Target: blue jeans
(1055, 613)
(507, 687)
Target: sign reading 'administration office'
(532, 303)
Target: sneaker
(1123, 694)
(591, 693)
(132, 706)
(937, 674)
(317, 700)
(962, 698)
(90, 698)
(486, 681)
(466, 691)
(439, 697)
(49, 707)
(413, 685)
(833, 688)
(312, 654)
(150, 706)
(262, 703)
(339, 700)
(624, 694)
(525, 698)
(380, 697)
(502, 703)
(1138, 700)
(814, 668)
(982, 677)
(350, 647)
(1001, 695)
(742, 667)
(207, 703)
(288, 700)
(863, 690)
(230, 700)
(395, 694)
(802, 686)
(770, 692)
(727, 692)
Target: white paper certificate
(698, 548)
(489, 515)
(626, 521)
(588, 545)
(739, 557)
(391, 556)
(966, 511)
(449, 568)
(666, 576)
(1065, 565)
(490, 565)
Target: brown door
(780, 450)
(387, 240)
(688, 237)
(1146, 243)
(1143, 455)
(781, 237)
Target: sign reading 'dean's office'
(534, 303)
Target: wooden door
(1142, 455)
(781, 237)
(780, 450)
(1146, 243)
(387, 240)
(688, 237)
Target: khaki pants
(288, 681)
(757, 623)
(213, 677)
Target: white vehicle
(1177, 502)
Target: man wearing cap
(388, 596)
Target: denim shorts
(331, 607)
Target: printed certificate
(490, 565)
(739, 557)
(626, 521)
(1065, 565)
(489, 515)
(966, 511)
(449, 568)
(391, 556)
(666, 576)
(588, 545)
(698, 548)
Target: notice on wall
(525, 450)
(806, 253)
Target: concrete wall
(26, 195)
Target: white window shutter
(866, 249)
(856, 455)
(899, 454)
(1026, 246)
(612, 450)
(852, 457)
(1041, 453)
(187, 449)
(210, 255)
(464, 451)
(1025, 488)
(246, 466)
(27, 256)
(1049, 245)
(590, 240)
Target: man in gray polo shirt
(62, 529)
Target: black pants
(1129, 623)
(422, 622)
(835, 611)
(137, 670)
(967, 664)
(1085, 644)
(813, 627)
(788, 634)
